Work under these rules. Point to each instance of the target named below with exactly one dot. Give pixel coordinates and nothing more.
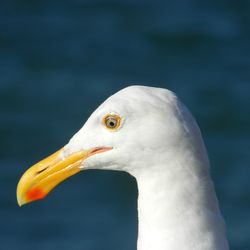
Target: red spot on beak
(35, 194)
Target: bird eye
(112, 122)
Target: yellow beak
(42, 177)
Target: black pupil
(111, 123)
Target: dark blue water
(60, 59)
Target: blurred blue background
(60, 59)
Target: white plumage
(160, 144)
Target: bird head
(132, 127)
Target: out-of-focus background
(60, 59)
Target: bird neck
(178, 209)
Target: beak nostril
(40, 171)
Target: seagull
(149, 133)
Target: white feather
(160, 144)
